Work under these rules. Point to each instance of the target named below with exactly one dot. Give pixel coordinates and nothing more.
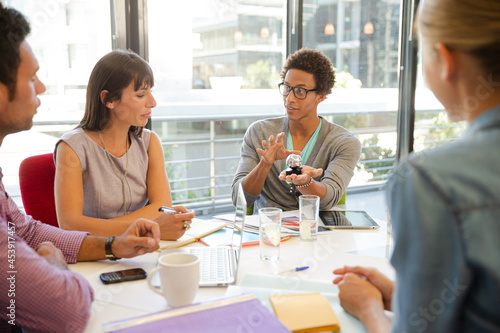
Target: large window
(217, 66)
(67, 37)
(361, 38)
(432, 126)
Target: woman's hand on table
(372, 275)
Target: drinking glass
(309, 215)
(270, 233)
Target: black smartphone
(124, 275)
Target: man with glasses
(329, 152)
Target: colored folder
(244, 313)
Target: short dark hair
(13, 30)
(314, 62)
(113, 73)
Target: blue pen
(293, 270)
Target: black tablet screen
(354, 219)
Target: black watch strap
(109, 253)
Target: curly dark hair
(13, 30)
(314, 62)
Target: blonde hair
(471, 26)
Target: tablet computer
(347, 219)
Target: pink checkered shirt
(34, 294)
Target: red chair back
(36, 180)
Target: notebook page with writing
(199, 228)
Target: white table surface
(332, 250)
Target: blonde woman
(110, 166)
(444, 203)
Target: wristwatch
(107, 247)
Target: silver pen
(168, 210)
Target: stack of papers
(289, 223)
(252, 224)
(264, 286)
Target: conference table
(332, 249)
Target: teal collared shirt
(309, 146)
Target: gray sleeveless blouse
(102, 187)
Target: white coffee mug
(179, 277)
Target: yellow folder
(302, 313)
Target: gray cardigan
(336, 151)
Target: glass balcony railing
(202, 153)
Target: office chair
(342, 200)
(36, 180)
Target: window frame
(129, 19)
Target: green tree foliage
(443, 131)
(377, 160)
(175, 171)
(346, 80)
(260, 75)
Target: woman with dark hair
(329, 152)
(444, 202)
(110, 167)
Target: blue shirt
(445, 210)
(309, 146)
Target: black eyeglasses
(298, 92)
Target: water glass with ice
(270, 233)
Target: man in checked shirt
(37, 291)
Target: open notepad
(199, 228)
